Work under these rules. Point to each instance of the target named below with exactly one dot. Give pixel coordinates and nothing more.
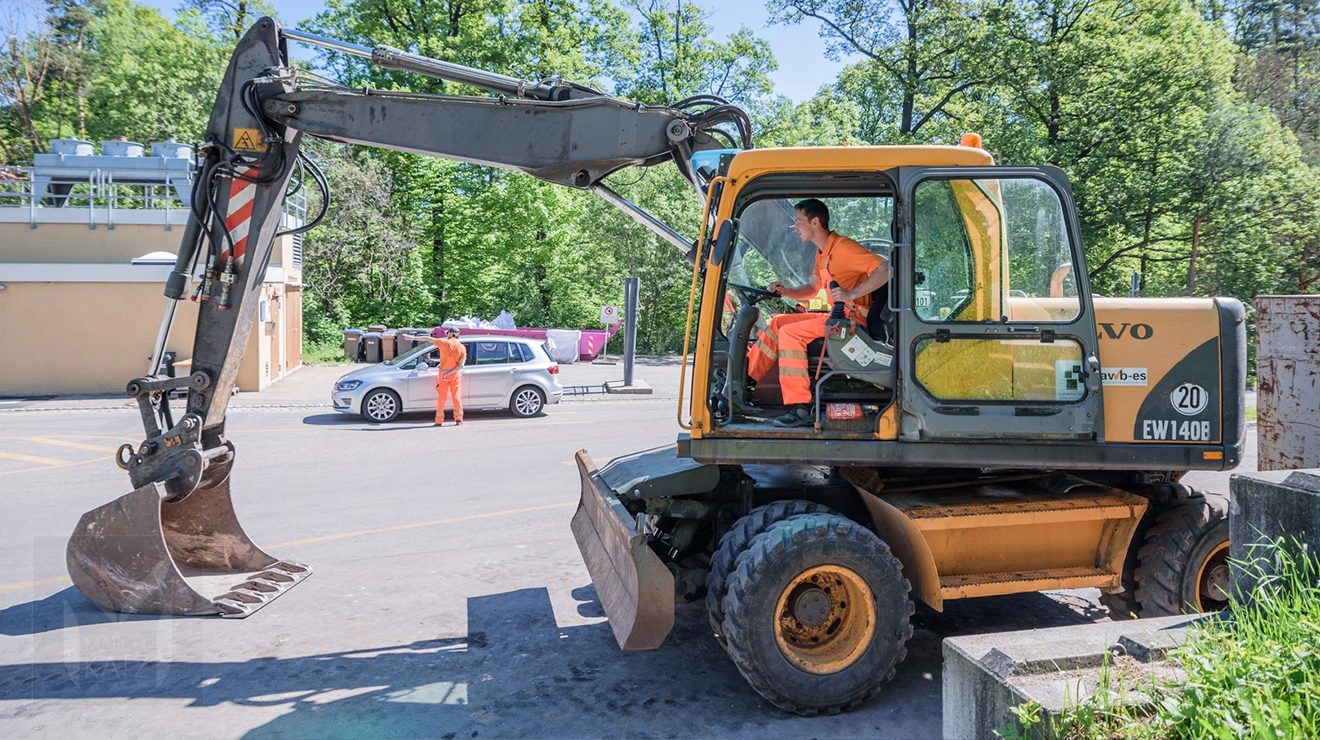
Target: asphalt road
(448, 597)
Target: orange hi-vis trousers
(785, 340)
(445, 388)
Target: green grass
(331, 353)
(1251, 413)
(1254, 674)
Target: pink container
(589, 347)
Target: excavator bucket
(634, 586)
(141, 555)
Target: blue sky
(799, 49)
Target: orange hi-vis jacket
(452, 353)
(849, 264)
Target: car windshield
(410, 354)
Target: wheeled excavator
(992, 427)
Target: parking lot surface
(447, 600)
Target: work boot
(458, 423)
(797, 416)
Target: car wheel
(527, 401)
(381, 405)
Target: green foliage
(1252, 674)
(1188, 128)
(150, 79)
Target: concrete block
(1261, 511)
(985, 676)
(638, 387)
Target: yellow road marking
(34, 459)
(54, 467)
(415, 525)
(30, 584)
(67, 436)
(62, 443)
(346, 535)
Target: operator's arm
(800, 293)
(875, 280)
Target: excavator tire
(1184, 563)
(1124, 605)
(817, 614)
(735, 541)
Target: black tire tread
(774, 542)
(1165, 555)
(1124, 605)
(736, 540)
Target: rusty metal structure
(1288, 381)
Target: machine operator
(858, 273)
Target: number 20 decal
(1189, 399)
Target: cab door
(994, 307)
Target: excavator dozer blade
(634, 586)
(141, 555)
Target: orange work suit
(452, 357)
(786, 338)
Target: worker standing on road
(858, 273)
(452, 357)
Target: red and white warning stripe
(241, 193)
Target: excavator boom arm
(180, 510)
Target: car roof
(487, 337)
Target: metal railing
(102, 198)
(99, 195)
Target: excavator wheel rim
(831, 643)
(1213, 573)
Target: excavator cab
(985, 313)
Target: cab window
(992, 251)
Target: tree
(24, 73)
(230, 17)
(150, 79)
(919, 55)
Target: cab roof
(756, 162)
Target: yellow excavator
(991, 427)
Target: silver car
(501, 373)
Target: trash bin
(353, 344)
(387, 345)
(378, 328)
(371, 344)
(404, 342)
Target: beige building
(82, 279)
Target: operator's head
(811, 219)
(452, 332)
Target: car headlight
(347, 385)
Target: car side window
(492, 353)
(419, 360)
(471, 348)
(520, 352)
